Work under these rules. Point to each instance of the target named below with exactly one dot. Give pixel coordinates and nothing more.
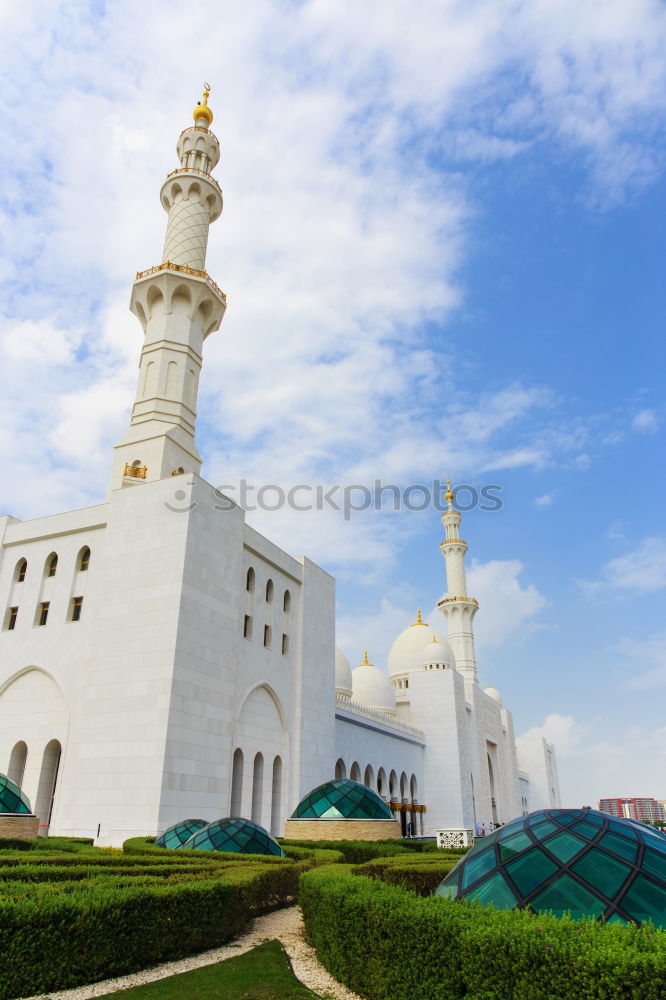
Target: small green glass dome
(342, 799)
(576, 861)
(12, 799)
(177, 834)
(237, 835)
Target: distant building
(646, 810)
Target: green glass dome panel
(12, 799)
(239, 836)
(579, 861)
(342, 799)
(564, 846)
(176, 835)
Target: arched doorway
(493, 803)
(48, 780)
(369, 777)
(262, 735)
(382, 786)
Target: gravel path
(285, 925)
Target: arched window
(403, 785)
(369, 777)
(52, 565)
(257, 788)
(249, 581)
(381, 782)
(21, 570)
(276, 797)
(285, 644)
(286, 602)
(270, 590)
(236, 783)
(393, 785)
(340, 769)
(84, 559)
(247, 627)
(355, 772)
(17, 761)
(48, 780)
(413, 788)
(268, 636)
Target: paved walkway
(286, 925)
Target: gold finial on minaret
(449, 495)
(202, 110)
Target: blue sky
(443, 247)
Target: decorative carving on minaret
(178, 305)
(457, 607)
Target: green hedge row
(54, 936)
(358, 851)
(389, 944)
(421, 874)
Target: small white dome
(343, 674)
(494, 694)
(372, 687)
(438, 652)
(406, 654)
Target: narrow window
(267, 636)
(286, 602)
(285, 644)
(43, 613)
(249, 581)
(247, 627)
(270, 589)
(77, 604)
(53, 565)
(22, 570)
(84, 560)
(12, 615)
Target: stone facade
(19, 827)
(342, 829)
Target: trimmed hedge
(421, 874)
(64, 934)
(389, 944)
(358, 851)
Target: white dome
(343, 674)
(494, 694)
(372, 687)
(439, 652)
(406, 654)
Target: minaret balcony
(183, 269)
(450, 600)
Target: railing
(135, 471)
(448, 600)
(453, 541)
(194, 170)
(199, 129)
(183, 269)
(367, 712)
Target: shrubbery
(358, 851)
(389, 944)
(422, 873)
(70, 920)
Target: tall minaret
(178, 305)
(457, 607)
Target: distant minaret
(457, 607)
(178, 305)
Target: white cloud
(645, 421)
(591, 767)
(505, 605)
(640, 571)
(545, 500)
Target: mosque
(159, 658)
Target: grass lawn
(261, 974)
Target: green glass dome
(576, 861)
(342, 799)
(237, 835)
(177, 834)
(12, 799)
